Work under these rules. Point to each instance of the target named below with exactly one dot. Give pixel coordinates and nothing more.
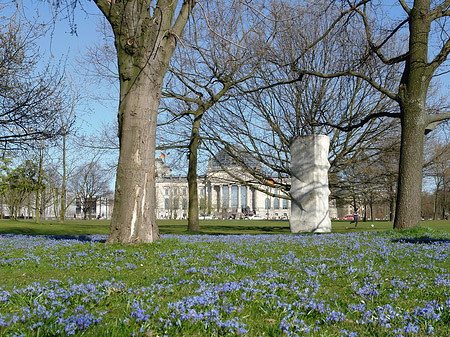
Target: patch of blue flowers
(358, 284)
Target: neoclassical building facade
(221, 196)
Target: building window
(276, 203)
(167, 204)
(166, 191)
(176, 203)
(175, 191)
(184, 191)
(267, 203)
(285, 204)
(184, 203)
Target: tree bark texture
(193, 216)
(409, 195)
(134, 218)
(145, 39)
(412, 96)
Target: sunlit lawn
(84, 227)
(369, 281)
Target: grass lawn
(369, 281)
(212, 227)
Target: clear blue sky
(61, 44)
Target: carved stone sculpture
(309, 184)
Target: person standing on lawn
(355, 217)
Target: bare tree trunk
(134, 218)
(145, 35)
(38, 191)
(193, 221)
(409, 195)
(435, 203)
(62, 213)
(412, 94)
(392, 197)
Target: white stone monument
(309, 184)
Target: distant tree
(387, 165)
(66, 120)
(428, 206)
(438, 169)
(18, 185)
(67, 174)
(90, 183)
(38, 159)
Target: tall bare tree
(224, 47)
(424, 30)
(90, 183)
(29, 97)
(262, 122)
(146, 34)
(438, 168)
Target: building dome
(233, 157)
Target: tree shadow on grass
(226, 230)
(421, 240)
(83, 238)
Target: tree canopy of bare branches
(29, 98)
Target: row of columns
(243, 195)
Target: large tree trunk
(409, 195)
(412, 96)
(193, 222)
(145, 34)
(134, 218)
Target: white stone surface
(309, 184)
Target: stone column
(209, 197)
(216, 191)
(220, 199)
(254, 200)
(238, 197)
(245, 203)
(309, 184)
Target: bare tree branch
(366, 78)
(361, 123)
